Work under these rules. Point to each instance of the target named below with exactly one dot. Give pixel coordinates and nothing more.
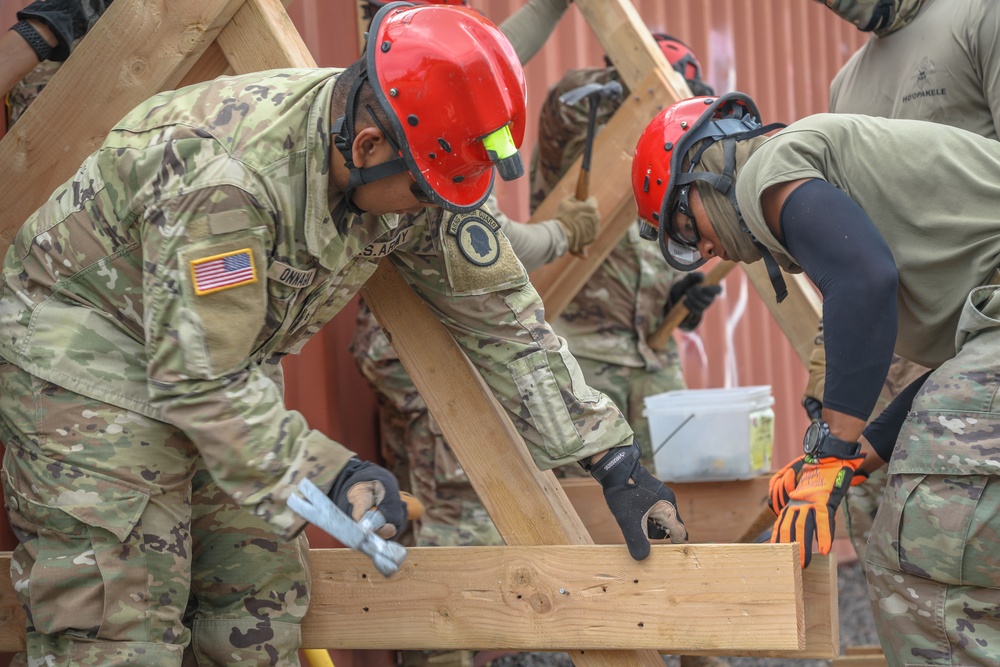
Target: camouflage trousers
(932, 562)
(129, 554)
(862, 501)
(628, 387)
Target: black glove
(65, 18)
(362, 485)
(640, 503)
(695, 297)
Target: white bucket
(703, 435)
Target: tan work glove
(580, 220)
(812, 398)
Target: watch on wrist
(820, 443)
(34, 39)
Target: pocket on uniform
(883, 545)
(542, 396)
(85, 551)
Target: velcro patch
(224, 271)
(476, 235)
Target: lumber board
(135, 50)
(718, 598)
(798, 315)
(713, 512)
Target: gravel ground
(856, 629)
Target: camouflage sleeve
(529, 27)
(201, 329)
(497, 317)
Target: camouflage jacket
(203, 241)
(622, 304)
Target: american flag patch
(219, 272)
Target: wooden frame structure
(140, 48)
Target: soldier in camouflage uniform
(147, 304)
(906, 259)
(44, 36)
(926, 60)
(411, 440)
(608, 323)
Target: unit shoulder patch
(476, 236)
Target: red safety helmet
(454, 91)
(378, 4)
(657, 164)
(682, 59)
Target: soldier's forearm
(17, 58)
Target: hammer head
(611, 90)
(319, 510)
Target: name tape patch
(224, 271)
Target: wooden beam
(798, 315)
(135, 50)
(705, 599)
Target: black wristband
(34, 39)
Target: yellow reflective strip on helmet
(500, 143)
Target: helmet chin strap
(343, 130)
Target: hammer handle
(583, 184)
(658, 340)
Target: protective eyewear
(683, 227)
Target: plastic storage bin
(701, 435)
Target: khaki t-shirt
(943, 67)
(932, 191)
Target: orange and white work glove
(579, 220)
(785, 480)
(811, 506)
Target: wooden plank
(822, 623)
(135, 50)
(713, 512)
(798, 315)
(709, 599)
(262, 36)
(558, 597)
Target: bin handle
(673, 433)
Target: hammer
(319, 510)
(594, 93)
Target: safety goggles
(683, 228)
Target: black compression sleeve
(839, 248)
(884, 429)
